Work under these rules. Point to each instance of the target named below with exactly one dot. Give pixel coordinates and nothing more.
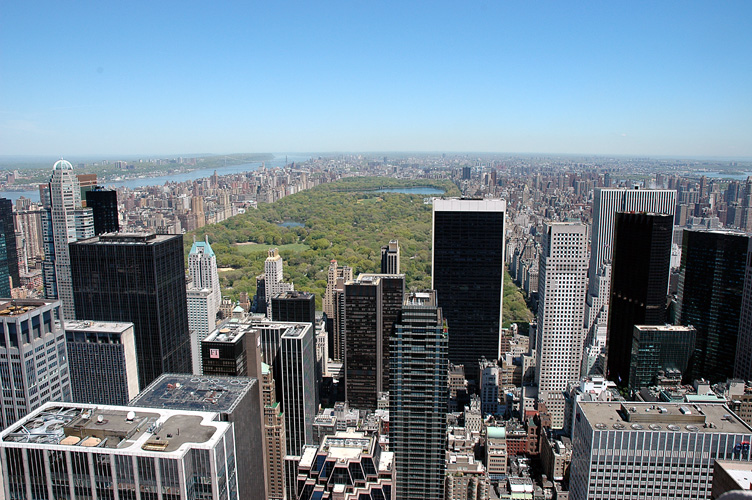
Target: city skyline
(545, 78)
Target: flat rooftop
(17, 307)
(74, 425)
(740, 472)
(98, 326)
(196, 393)
(677, 417)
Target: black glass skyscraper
(294, 306)
(639, 283)
(467, 274)
(711, 281)
(9, 235)
(138, 278)
(103, 203)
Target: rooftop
(677, 417)
(115, 427)
(98, 326)
(197, 393)
(17, 307)
(128, 239)
(740, 472)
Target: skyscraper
(102, 361)
(274, 434)
(333, 306)
(418, 398)
(467, 274)
(204, 297)
(372, 306)
(297, 358)
(711, 283)
(138, 278)
(390, 258)
(743, 363)
(639, 283)
(335, 272)
(659, 348)
(202, 267)
(299, 307)
(9, 231)
(103, 203)
(606, 203)
(561, 310)
(33, 357)
(274, 283)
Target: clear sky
(602, 77)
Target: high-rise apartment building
(231, 399)
(639, 284)
(274, 434)
(467, 274)
(102, 361)
(606, 203)
(711, 284)
(138, 278)
(390, 258)
(274, 283)
(418, 398)
(561, 310)
(74, 450)
(372, 306)
(103, 203)
(636, 450)
(33, 357)
(9, 234)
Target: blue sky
(633, 78)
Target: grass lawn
(248, 249)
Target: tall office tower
(274, 434)
(297, 359)
(468, 273)
(335, 271)
(202, 320)
(390, 258)
(336, 323)
(202, 267)
(639, 283)
(64, 199)
(659, 348)
(5, 280)
(33, 359)
(229, 352)
(29, 223)
(138, 278)
(711, 284)
(743, 363)
(9, 230)
(418, 398)
(103, 203)
(274, 276)
(606, 203)
(298, 307)
(348, 465)
(372, 306)
(642, 450)
(259, 300)
(86, 451)
(562, 286)
(233, 400)
(102, 362)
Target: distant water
(723, 175)
(277, 161)
(291, 223)
(413, 190)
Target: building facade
(467, 274)
(104, 205)
(390, 258)
(659, 349)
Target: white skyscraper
(274, 277)
(561, 309)
(65, 199)
(204, 297)
(606, 203)
(202, 266)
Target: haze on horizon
(658, 79)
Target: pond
(291, 223)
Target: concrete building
(102, 361)
(466, 478)
(274, 435)
(234, 400)
(561, 295)
(202, 268)
(467, 274)
(490, 383)
(497, 455)
(202, 319)
(69, 450)
(347, 466)
(729, 475)
(642, 450)
(33, 357)
(274, 278)
(556, 456)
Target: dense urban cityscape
(134, 364)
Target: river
(277, 161)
